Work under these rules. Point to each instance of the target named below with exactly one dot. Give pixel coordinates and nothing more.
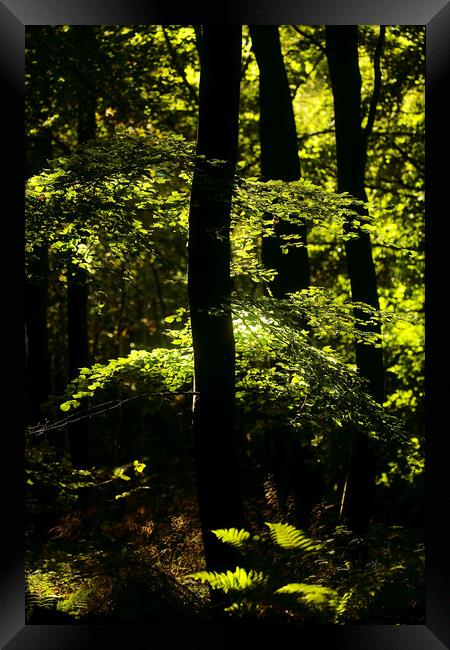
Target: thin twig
(309, 37)
(94, 410)
(313, 134)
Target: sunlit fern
(289, 537)
(233, 536)
(34, 601)
(284, 535)
(79, 603)
(237, 580)
(293, 588)
(40, 593)
(314, 595)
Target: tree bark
(342, 54)
(77, 290)
(209, 288)
(279, 157)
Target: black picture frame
(435, 15)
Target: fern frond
(78, 603)
(237, 580)
(233, 536)
(39, 601)
(289, 537)
(314, 595)
(367, 585)
(40, 592)
(343, 605)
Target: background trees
(118, 204)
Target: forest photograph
(224, 336)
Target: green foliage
(160, 369)
(278, 365)
(40, 592)
(111, 194)
(237, 580)
(111, 198)
(78, 603)
(233, 536)
(52, 483)
(330, 589)
(313, 595)
(136, 78)
(289, 537)
(60, 592)
(55, 488)
(118, 193)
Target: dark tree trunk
(39, 150)
(279, 157)
(78, 356)
(342, 54)
(280, 161)
(77, 291)
(209, 287)
(38, 358)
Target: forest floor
(123, 560)
(106, 560)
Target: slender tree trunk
(38, 359)
(209, 287)
(279, 157)
(280, 161)
(77, 291)
(342, 54)
(36, 299)
(78, 356)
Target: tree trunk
(342, 54)
(77, 290)
(280, 161)
(279, 157)
(38, 358)
(78, 356)
(39, 150)
(209, 287)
